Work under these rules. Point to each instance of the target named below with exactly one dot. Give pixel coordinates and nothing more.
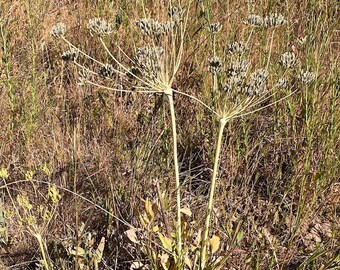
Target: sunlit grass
(265, 181)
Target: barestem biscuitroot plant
(239, 95)
(154, 69)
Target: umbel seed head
(215, 65)
(307, 77)
(288, 60)
(70, 55)
(58, 30)
(257, 84)
(100, 26)
(176, 14)
(274, 20)
(282, 83)
(236, 48)
(106, 70)
(148, 62)
(151, 27)
(215, 27)
(254, 20)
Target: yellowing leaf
(188, 262)
(99, 250)
(131, 234)
(166, 242)
(3, 173)
(77, 251)
(239, 237)
(214, 243)
(186, 211)
(155, 208)
(148, 209)
(136, 265)
(165, 261)
(155, 228)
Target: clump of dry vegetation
(169, 135)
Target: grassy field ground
(92, 177)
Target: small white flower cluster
(215, 65)
(271, 20)
(236, 48)
(58, 30)
(100, 26)
(288, 60)
(70, 55)
(151, 27)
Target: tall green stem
(211, 195)
(178, 190)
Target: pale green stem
(178, 190)
(41, 245)
(204, 243)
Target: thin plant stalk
(42, 248)
(178, 190)
(204, 244)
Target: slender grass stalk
(223, 122)
(178, 190)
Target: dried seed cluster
(236, 48)
(176, 14)
(106, 70)
(282, 83)
(215, 66)
(151, 27)
(148, 62)
(307, 77)
(274, 20)
(236, 72)
(215, 27)
(258, 83)
(254, 20)
(58, 30)
(271, 20)
(70, 55)
(100, 26)
(289, 60)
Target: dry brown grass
(279, 174)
